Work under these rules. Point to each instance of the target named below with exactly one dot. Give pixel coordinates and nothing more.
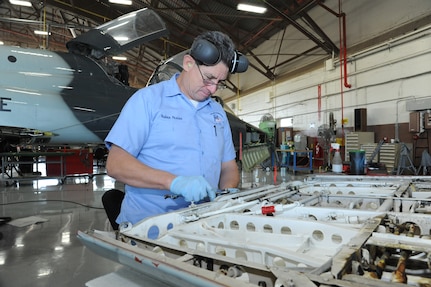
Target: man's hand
(192, 188)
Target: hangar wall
(367, 24)
(383, 78)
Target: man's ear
(188, 62)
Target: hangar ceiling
(185, 19)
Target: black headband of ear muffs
(239, 63)
(208, 54)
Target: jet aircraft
(73, 98)
(69, 97)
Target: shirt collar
(173, 86)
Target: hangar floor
(48, 253)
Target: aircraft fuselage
(63, 98)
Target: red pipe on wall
(343, 41)
(240, 146)
(346, 84)
(319, 100)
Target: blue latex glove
(192, 188)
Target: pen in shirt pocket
(215, 130)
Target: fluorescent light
(251, 8)
(72, 32)
(119, 58)
(122, 2)
(19, 2)
(43, 33)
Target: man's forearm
(229, 176)
(125, 168)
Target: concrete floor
(48, 253)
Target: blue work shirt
(161, 127)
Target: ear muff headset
(207, 53)
(239, 63)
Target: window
(286, 122)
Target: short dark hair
(224, 44)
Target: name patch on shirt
(171, 117)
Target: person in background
(172, 144)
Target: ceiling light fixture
(72, 32)
(251, 8)
(119, 58)
(122, 2)
(20, 2)
(43, 33)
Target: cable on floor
(51, 200)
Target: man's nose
(212, 88)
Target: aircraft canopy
(119, 35)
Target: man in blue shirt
(172, 144)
